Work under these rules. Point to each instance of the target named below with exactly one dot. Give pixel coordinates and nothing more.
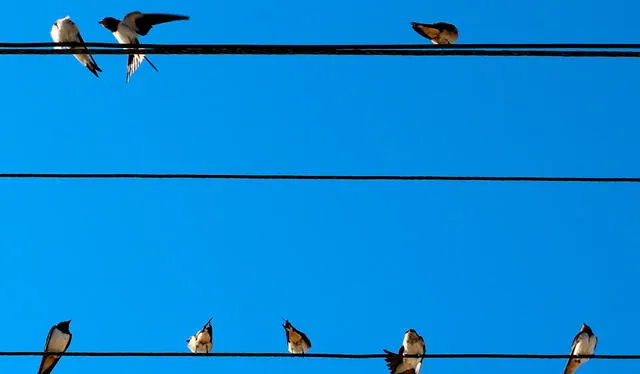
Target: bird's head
(63, 326)
(411, 336)
(287, 324)
(586, 328)
(110, 23)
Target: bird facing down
(202, 341)
(297, 341)
(583, 344)
(413, 344)
(132, 25)
(58, 341)
(65, 30)
(438, 33)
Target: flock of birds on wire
(134, 24)
(59, 339)
(126, 31)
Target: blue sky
(139, 265)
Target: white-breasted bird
(202, 341)
(58, 341)
(584, 344)
(297, 341)
(134, 24)
(412, 344)
(438, 33)
(65, 30)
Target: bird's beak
(101, 22)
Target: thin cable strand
(325, 355)
(322, 177)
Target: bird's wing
(80, 40)
(572, 364)
(48, 362)
(305, 339)
(426, 30)
(574, 344)
(141, 23)
(131, 18)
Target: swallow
(438, 33)
(58, 341)
(132, 25)
(202, 341)
(584, 344)
(65, 30)
(297, 341)
(413, 344)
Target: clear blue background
(140, 265)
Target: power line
(322, 177)
(334, 49)
(326, 355)
(337, 46)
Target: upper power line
(497, 50)
(469, 178)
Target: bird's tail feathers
(393, 360)
(93, 66)
(93, 69)
(572, 365)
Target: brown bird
(297, 341)
(438, 33)
(412, 344)
(202, 341)
(584, 344)
(58, 341)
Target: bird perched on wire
(297, 341)
(132, 25)
(65, 30)
(202, 341)
(584, 344)
(58, 341)
(413, 344)
(438, 33)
